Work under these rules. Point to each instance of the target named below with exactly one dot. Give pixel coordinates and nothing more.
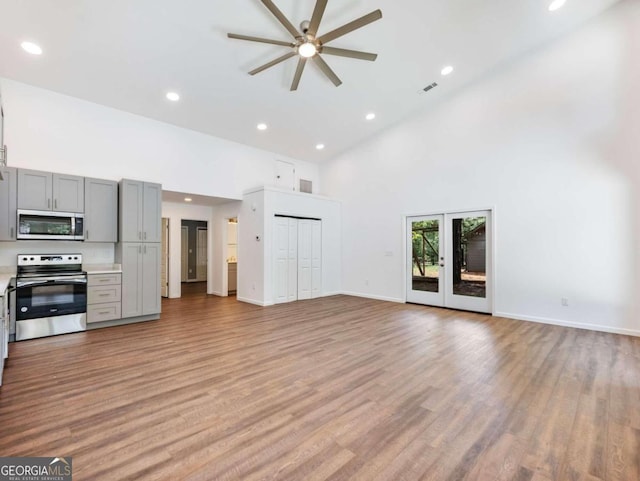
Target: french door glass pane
(469, 256)
(425, 237)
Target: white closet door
(305, 240)
(281, 257)
(292, 265)
(316, 259)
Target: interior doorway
(232, 256)
(165, 258)
(194, 258)
(449, 260)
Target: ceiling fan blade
(318, 12)
(281, 18)
(272, 63)
(261, 40)
(327, 70)
(296, 78)
(341, 52)
(351, 26)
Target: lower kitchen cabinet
(140, 278)
(104, 294)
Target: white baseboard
(329, 294)
(255, 302)
(377, 298)
(218, 293)
(576, 325)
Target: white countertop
(102, 268)
(6, 273)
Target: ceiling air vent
(429, 87)
(306, 186)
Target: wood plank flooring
(338, 388)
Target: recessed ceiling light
(556, 4)
(31, 48)
(262, 126)
(174, 97)
(188, 199)
(320, 146)
(370, 116)
(447, 70)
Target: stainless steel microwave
(43, 225)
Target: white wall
(49, 131)
(251, 252)
(552, 142)
(176, 213)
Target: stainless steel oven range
(50, 295)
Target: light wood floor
(336, 388)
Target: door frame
(494, 253)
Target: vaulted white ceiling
(127, 54)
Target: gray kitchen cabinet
(152, 213)
(101, 210)
(140, 210)
(8, 198)
(68, 193)
(140, 278)
(39, 190)
(151, 292)
(35, 190)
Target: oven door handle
(49, 282)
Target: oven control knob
(32, 259)
(24, 258)
(24, 309)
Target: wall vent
(429, 87)
(306, 186)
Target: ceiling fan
(308, 45)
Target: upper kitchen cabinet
(47, 191)
(140, 211)
(8, 188)
(101, 210)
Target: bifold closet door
(297, 259)
(285, 232)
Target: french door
(449, 260)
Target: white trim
(254, 302)
(374, 297)
(576, 325)
(217, 293)
(330, 294)
(291, 192)
(450, 211)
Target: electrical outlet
(388, 254)
(565, 302)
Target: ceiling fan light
(307, 50)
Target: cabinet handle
(87, 235)
(104, 295)
(104, 313)
(11, 235)
(55, 204)
(103, 280)
(145, 235)
(139, 235)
